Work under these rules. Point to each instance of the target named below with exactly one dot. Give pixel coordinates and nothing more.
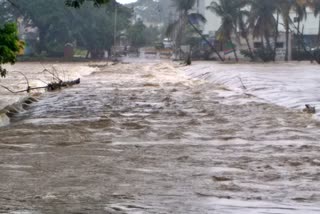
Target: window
(257, 45)
(280, 45)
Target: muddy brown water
(145, 138)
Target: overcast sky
(125, 1)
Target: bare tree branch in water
(56, 84)
(243, 86)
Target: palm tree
(262, 20)
(276, 35)
(231, 16)
(286, 7)
(242, 22)
(177, 28)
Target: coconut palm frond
(216, 8)
(196, 18)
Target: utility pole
(115, 29)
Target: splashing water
(37, 76)
(292, 85)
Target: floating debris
(309, 109)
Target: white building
(310, 25)
(213, 21)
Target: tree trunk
(205, 39)
(249, 47)
(300, 36)
(276, 38)
(234, 51)
(178, 35)
(319, 34)
(299, 46)
(267, 37)
(245, 36)
(316, 53)
(262, 42)
(287, 41)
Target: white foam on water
(253, 207)
(4, 120)
(292, 85)
(37, 77)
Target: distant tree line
(56, 24)
(91, 27)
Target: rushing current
(155, 137)
(292, 85)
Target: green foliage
(9, 45)
(301, 55)
(264, 54)
(140, 35)
(153, 35)
(136, 34)
(262, 20)
(89, 27)
(52, 19)
(93, 28)
(316, 54)
(247, 53)
(228, 11)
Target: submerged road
(145, 138)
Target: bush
(247, 53)
(302, 55)
(264, 54)
(10, 45)
(316, 55)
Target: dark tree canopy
(78, 3)
(89, 27)
(56, 24)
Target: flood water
(157, 138)
(286, 84)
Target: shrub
(10, 45)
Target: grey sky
(125, 1)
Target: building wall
(281, 45)
(310, 25)
(213, 21)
